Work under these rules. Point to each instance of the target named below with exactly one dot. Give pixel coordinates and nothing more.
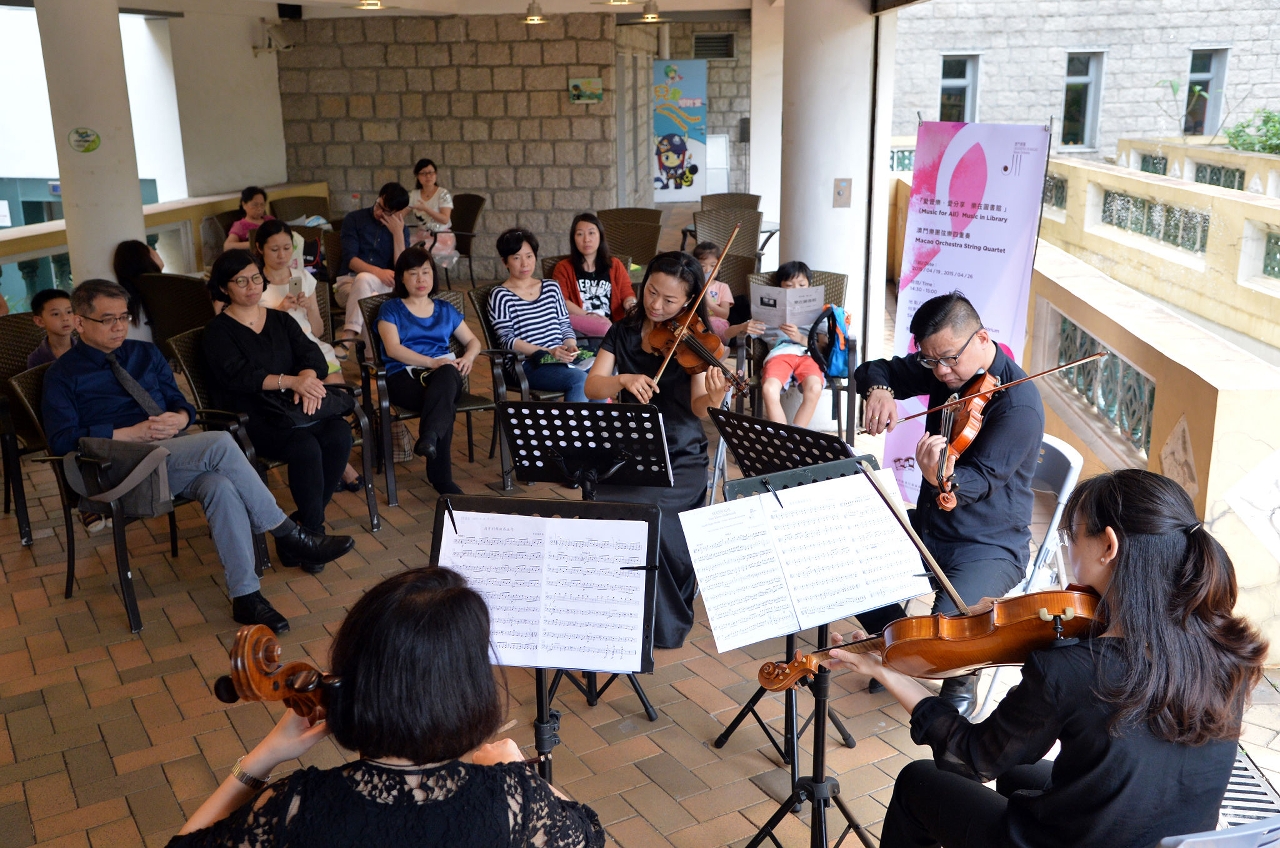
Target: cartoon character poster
(679, 129)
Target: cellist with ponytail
(1148, 711)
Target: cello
(940, 645)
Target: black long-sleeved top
(454, 805)
(1128, 791)
(238, 359)
(992, 477)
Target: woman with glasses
(253, 203)
(258, 361)
(1147, 711)
(983, 543)
(432, 208)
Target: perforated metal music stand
(762, 447)
(584, 444)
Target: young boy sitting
(51, 312)
(790, 358)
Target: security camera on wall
(274, 39)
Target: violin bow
(693, 309)
(1002, 387)
(869, 473)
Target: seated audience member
(51, 312)
(422, 373)
(372, 241)
(530, 318)
(432, 208)
(253, 203)
(596, 286)
(274, 251)
(253, 355)
(132, 259)
(719, 297)
(110, 387)
(789, 359)
(425, 776)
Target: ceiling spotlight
(615, 2)
(369, 5)
(533, 15)
(650, 15)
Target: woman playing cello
(1148, 711)
(671, 284)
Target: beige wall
(228, 102)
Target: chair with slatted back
(332, 242)
(374, 373)
(187, 349)
(463, 223)
(28, 388)
(293, 208)
(19, 336)
(174, 304)
(635, 239)
(630, 213)
(715, 226)
(730, 200)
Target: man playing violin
(983, 543)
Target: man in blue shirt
(111, 388)
(372, 241)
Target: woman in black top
(1148, 712)
(670, 284)
(417, 695)
(251, 351)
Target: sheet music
(832, 550)
(776, 306)
(738, 570)
(556, 593)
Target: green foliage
(1260, 135)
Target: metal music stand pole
(818, 789)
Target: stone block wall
(485, 96)
(1022, 69)
(728, 91)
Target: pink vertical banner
(971, 227)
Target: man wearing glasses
(983, 544)
(111, 388)
(372, 241)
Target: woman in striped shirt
(530, 318)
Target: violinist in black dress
(671, 284)
(983, 544)
(1148, 711)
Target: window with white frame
(959, 100)
(1080, 105)
(1204, 91)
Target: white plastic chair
(1259, 834)
(1057, 471)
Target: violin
(961, 424)
(939, 646)
(257, 675)
(696, 348)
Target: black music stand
(584, 444)
(546, 725)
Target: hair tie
(1191, 528)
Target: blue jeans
(558, 377)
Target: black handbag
(279, 410)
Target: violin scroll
(778, 677)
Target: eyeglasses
(245, 282)
(110, 321)
(949, 361)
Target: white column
(827, 135)
(84, 67)
(766, 114)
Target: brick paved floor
(111, 739)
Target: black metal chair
(187, 350)
(375, 372)
(174, 304)
(463, 222)
(28, 388)
(18, 337)
(332, 243)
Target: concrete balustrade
(1261, 170)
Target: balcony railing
(1117, 391)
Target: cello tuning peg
(225, 690)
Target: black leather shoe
(354, 486)
(255, 609)
(307, 549)
(426, 447)
(961, 693)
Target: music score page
(831, 550)
(556, 593)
